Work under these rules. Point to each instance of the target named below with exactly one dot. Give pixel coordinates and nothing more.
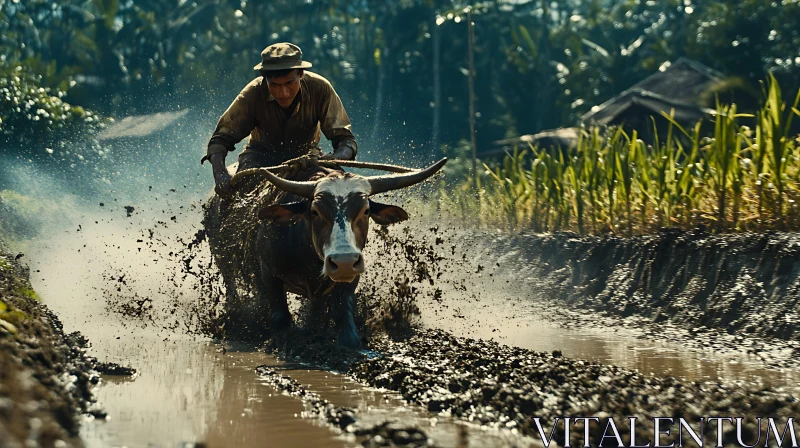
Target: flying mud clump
(405, 265)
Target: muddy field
(471, 337)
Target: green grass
(740, 179)
(28, 292)
(10, 318)
(17, 288)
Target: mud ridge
(506, 387)
(345, 419)
(737, 292)
(46, 377)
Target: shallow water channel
(189, 391)
(511, 322)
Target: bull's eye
(314, 214)
(366, 212)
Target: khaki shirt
(255, 112)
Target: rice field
(732, 172)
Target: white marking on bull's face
(341, 187)
(341, 251)
(342, 241)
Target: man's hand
(223, 184)
(302, 163)
(343, 152)
(222, 179)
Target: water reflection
(509, 321)
(187, 391)
(252, 414)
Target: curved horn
(326, 163)
(367, 165)
(380, 184)
(303, 189)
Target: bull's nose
(346, 265)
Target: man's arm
(335, 124)
(234, 125)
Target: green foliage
(11, 318)
(17, 289)
(746, 38)
(459, 164)
(34, 115)
(738, 180)
(399, 66)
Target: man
(283, 111)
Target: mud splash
(555, 274)
(402, 267)
(190, 288)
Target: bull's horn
(302, 189)
(367, 165)
(380, 184)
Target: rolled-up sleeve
(334, 122)
(236, 123)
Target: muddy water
(506, 321)
(188, 391)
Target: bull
(308, 243)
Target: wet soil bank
(345, 419)
(506, 387)
(45, 375)
(718, 292)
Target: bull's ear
(284, 214)
(386, 214)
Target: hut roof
(679, 87)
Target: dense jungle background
(70, 68)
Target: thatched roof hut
(682, 89)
